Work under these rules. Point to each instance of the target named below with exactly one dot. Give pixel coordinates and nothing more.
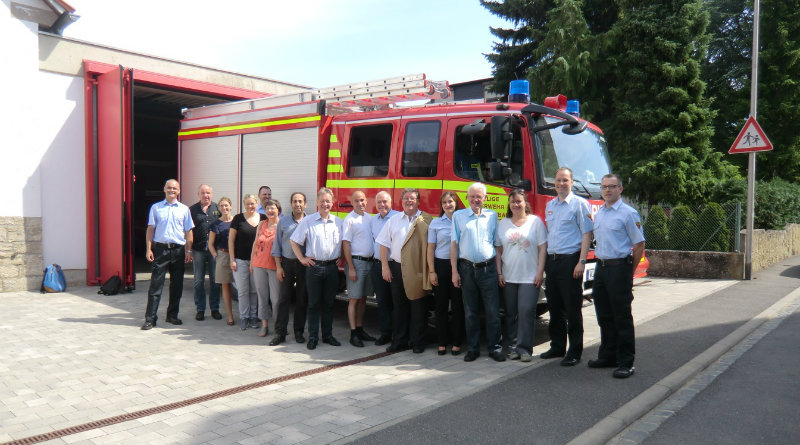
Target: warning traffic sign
(751, 138)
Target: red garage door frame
(106, 251)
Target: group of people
(468, 257)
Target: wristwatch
(583, 261)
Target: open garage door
(110, 176)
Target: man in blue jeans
(474, 264)
(204, 212)
(321, 234)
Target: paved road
(550, 404)
(75, 368)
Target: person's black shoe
(200, 316)
(362, 334)
(418, 349)
(623, 372)
(331, 341)
(277, 339)
(470, 356)
(441, 351)
(570, 361)
(603, 363)
(355, 340)
(299, 338)
(551, 354)
(148, 325)
(312, 343)
(455, 351)
(216, 315)
(382, 340)
(497, 356)
(396, 348)
(175, 321)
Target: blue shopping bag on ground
(53, 280)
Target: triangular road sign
(751, 138)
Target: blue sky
(310, 42)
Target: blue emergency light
(574, 108)
(519, 91)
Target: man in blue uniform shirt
(474, 265)
(569, 234)
(169, 231)
(620, 245)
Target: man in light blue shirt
(620, 245)
(169, 232)
(321, 234)
(291, 274)
(383, 289)
(569, 234)
(474, 266)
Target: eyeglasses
(609, 187)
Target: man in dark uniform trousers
(169, 231)
(569, 234)
(620, 245)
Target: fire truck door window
(369, 150)
(473, 154)
(421, 149)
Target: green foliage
(655, 228)
(682, 225)
(727, 68)
(777, 203)
(659, 128)
(713, 232)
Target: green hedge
(777, 201)
(682, 227)
(655, 228)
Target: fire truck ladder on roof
(362, 96)
(382, 93)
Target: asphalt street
(550, 404)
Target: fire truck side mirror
(501, 137)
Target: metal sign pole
(751, 160)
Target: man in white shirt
(357, 249)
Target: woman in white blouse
(522, 244)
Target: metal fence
(702, 227)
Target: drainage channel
(183, 403)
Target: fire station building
(89, 137)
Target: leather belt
(362, 258)
(613, 261)
(324, 263)
(285, 259)
(168, 245)
(477, 265)
(561, 256)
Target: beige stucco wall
(65, 55)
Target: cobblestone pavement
(75, 368)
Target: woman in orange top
(263, 268)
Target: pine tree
(779, 89)
(727, 69)
(659, 128)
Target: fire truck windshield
(585, 153)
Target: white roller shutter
(286, 161)
(213, 161)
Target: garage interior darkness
(156, 120)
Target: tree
(682, 226)
(659, 125)
(779, 89)
(655, 228)
(555, 44)
(727, 69)
(714, 234)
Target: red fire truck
(362, 137)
